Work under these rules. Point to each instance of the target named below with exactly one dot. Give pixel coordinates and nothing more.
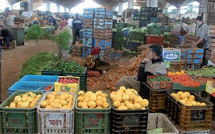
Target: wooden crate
(189, 39)
(12, 44)
(88, 23)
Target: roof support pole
(58, 8)
(120, 9)
(152, 3)
(205, 15)
(48, 3)
(30, 5)
(130, 4)
(64, 9)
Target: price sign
(54, 121)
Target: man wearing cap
(154, 65)
(63, 54)
(6, 36)
(77, 25)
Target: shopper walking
(77, 25)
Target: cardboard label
(171, 55)
(55, 121)
(210, 88)
(167, 63)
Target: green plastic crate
(83, 78)
(118, 39)
(17, 120)
(180, 87)
(56, 73)
(95, 121)
(121, 25)
(136, 17)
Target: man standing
(6, 36)
(203, 33)
(70, 22)
(77, 25)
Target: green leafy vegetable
(62, 39)
(35, 32)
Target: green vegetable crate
(178, 86)
(17, 120)
(56, 73)
(159, 82)
(83, 78)
(95, 121)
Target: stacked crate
(119, 38)
(146, 15)
(210, 53)
(193, 57)
(102, 32)
(174, 38)
(87, 31)
(189, 39)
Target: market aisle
(12, 61)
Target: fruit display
(98, 100)
(128, 99)
(204, 80)
(68, 80)
(184, 80)
(57, 101)
(208, 71)
(187, 99)
(182, 72)
(26, 100)
(48, 88)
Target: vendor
(154, 65)
(203, 33)
(6, 36)
(93, 61)
(64, 54)
(53, 22)
(35, 21)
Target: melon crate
(57, 121)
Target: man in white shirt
(70, 22)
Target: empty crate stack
(146, 15)
(119, 38)
(87, 31)
(210, 53)
(102, 32)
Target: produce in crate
(92, 100)
(184, 80)
(128, 99)
(186, 98)
(208, 71)
(68, 80)
(27, 100)
(55, 101)
(48, 88)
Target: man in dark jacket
(5, 36)
(77, 25)
(154, 65)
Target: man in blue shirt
(77, 25)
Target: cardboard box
(171, 54)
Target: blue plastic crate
(39, 78)
(30, 86)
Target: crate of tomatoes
(68, 84)
(182, 81)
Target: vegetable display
(68, 80)
(35, 64)
(208, 71)
(159, 79)
(154, 29)
(185, 80)
(35, 32)
(205, 79)
(27, 100)
(92, 100)
(128, 99)
(48, 88)
(67, 67)
(186, 98)
(62, 40)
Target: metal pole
(0, 71)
